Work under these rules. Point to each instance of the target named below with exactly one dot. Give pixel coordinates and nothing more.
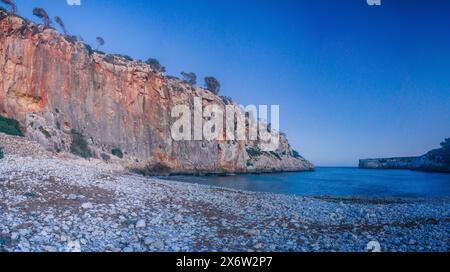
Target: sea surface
(342, 182)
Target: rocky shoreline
(405, 163)
(54, 202)
(437, 160)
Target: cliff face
(54, 85)
(434, 161)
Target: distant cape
(437, 160)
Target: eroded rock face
(53, 84)
(434, 161)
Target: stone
(50, 249)
(72, 197)
(148, 241)
(128, 249)
(24, 232)
(252, 232)
(87, 206)
(74, 246)
(141, 224)
(14, 236)
(158, 244)
(258, 246)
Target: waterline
(340, 181)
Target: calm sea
(336, 182)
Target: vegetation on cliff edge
(10, 127)
(79, 145)
(156, 65)
(43, 15)
(190, 78)
(117, 152)
(12, 6)
(254, 152)
(212, 85)
(442, 154)
(295, 154)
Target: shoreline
(60, 203)
(50, 204)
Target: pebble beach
(58, 203)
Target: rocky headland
(62, 92)
(437, 160)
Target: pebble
(87, 206)
(253, 232)
(140, 224)
(50, 249)
(148, 241)
(190, 217)
(158, 244)
(258, 246)
(72, 197)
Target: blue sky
(352, 81)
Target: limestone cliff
(437, 160)
(55, 85)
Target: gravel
(56, 203)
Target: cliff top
(18, 24)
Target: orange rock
(59, 84)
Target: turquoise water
(336, 182)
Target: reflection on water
(336, 182)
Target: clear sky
(352, 81)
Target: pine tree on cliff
(60, 22)
(212, 85)
(190, 78)
(446, 144)
(100, 42)
(43, 15)
(156, 65)
(12, 6)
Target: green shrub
(296, 154)
(155, 65)
(30, 195)
(212, 85)
(79, 145)
(117, 152)
(254, 152)
(126, 57)
(105, 157)
(71, 38)
(275, 154)
(10, 127)
(1, 153)
(89, 49)
(226, 100)
(190, 78)
(45, 132)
